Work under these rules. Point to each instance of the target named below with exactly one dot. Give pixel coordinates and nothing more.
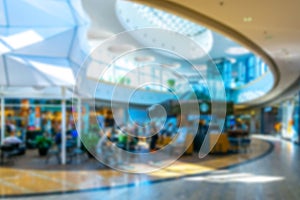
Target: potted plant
(171, 83)
(43, 144)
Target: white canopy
(42, 45)
(36, 92)
(26, 71)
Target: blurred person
(12, 138)
(73, 132)
(203, 127)
(163, 130)
(31, 120)
(200, 136)
(114, 134)
(170, 129)
(135, 134)
(57, 132)
(244, 126)
(44, 127)
(154, 137)
(132, 143)
(9, 124)
(237, 125)
(135, 129)
(122, 138)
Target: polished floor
(274, 176)
(17, 181)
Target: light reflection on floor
(272, 177)
(236, 177)
(18, 181)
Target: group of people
(127, 137)
(12, 144)
(54, 133)
(11, 136)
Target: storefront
(32, 115)
(270, 117)
(290, 118)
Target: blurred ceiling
(269, 28)
(262, 27)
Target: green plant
(43, 142)
(171, 83)
(124, 80)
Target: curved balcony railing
(254, 89)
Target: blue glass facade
(245, 79)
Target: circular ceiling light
(120, 48)
(237, 51)
(144, 58)
(247, 19)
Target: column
(2, 118)
(79, 114)
(63, 128)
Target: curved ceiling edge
(197, 17)
(291, 90)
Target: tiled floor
(18, 181)
(275, 176)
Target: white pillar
(63, 128)
(79, 114)
(2, 118)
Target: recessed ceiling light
(99, 34)
(144, 58)
(247, 19)
(237, 51)
(120, 48)
(201, 67)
